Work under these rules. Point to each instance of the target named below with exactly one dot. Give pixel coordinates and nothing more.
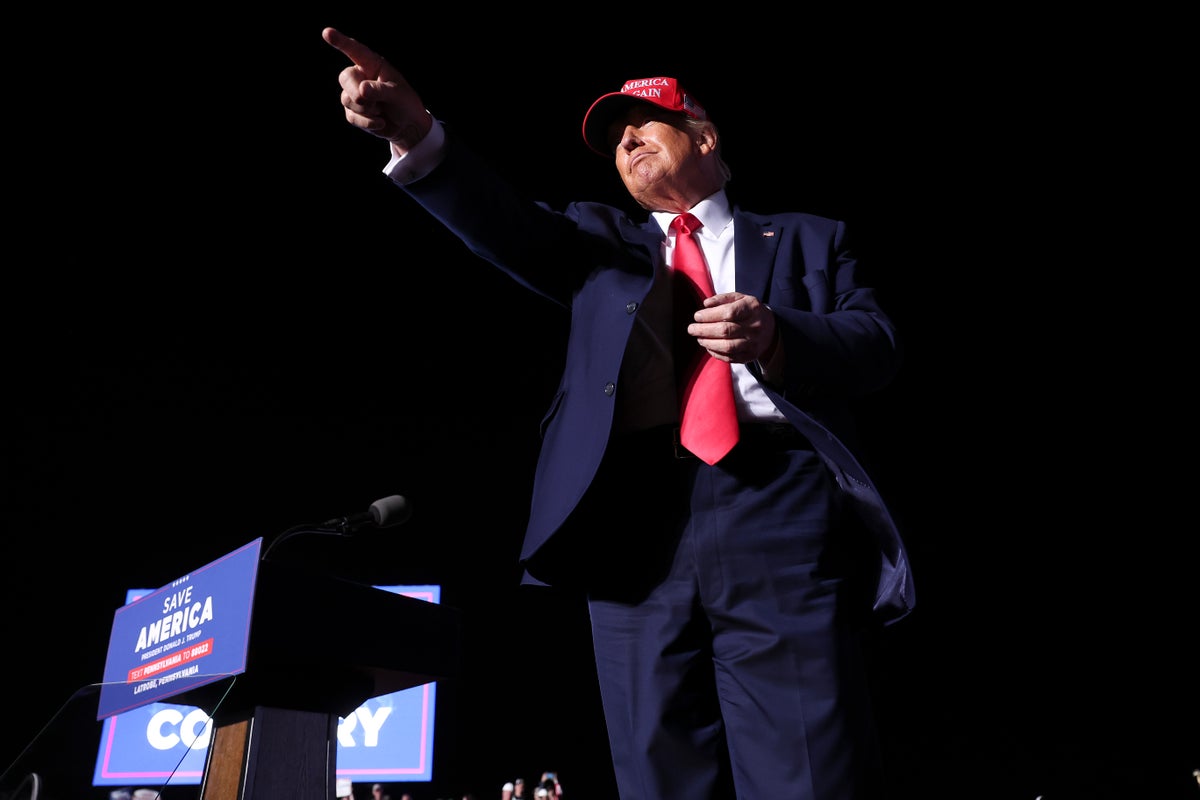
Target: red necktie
(708, 423)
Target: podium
(317, 647)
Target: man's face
(653, 151)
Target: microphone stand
(342, 529)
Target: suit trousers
(735, 668)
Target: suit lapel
(757, 243)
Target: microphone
(383, 513)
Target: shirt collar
(713, 213)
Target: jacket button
(631, 307)
(610, 388)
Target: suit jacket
(597, 262)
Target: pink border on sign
(112, 729)
(420, 768)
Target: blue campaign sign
(156, 744)
(387, 738)
(191, 632)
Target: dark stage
(222, 321)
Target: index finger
(363, 57)
(721, 299)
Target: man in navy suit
(727, 599)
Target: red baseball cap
(662, 92)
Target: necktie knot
(686, 224)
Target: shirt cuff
(420, 160)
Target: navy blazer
(597, 262)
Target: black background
(222, 321)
